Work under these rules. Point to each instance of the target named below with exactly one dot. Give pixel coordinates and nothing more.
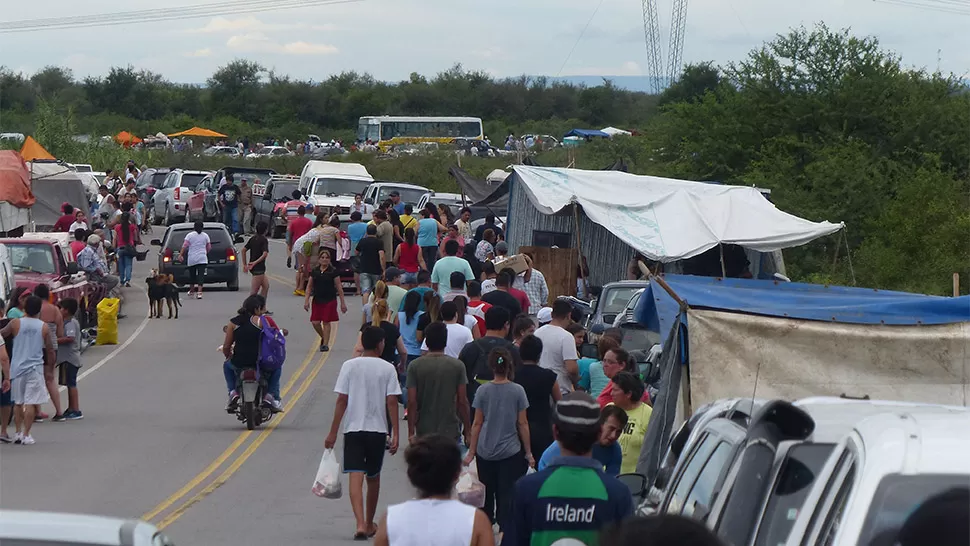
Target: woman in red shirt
(616, 361)
(126, 237)
(409, 258)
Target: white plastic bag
(468, 489)
(530, 471)
(327, 483)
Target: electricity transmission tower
(652, 36)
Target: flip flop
(360, 536)
(372, 535)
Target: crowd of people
(481, 359)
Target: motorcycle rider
(241, 349)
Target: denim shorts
(367, 282)
(409, 278)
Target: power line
(561, 68)
(164, 14)
(931, 5)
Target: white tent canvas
(668, 219)
(613, 131)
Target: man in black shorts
(366, 385)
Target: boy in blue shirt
(607, 451)
(69, 357)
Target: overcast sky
(392, 38)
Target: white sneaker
(18, 438)
(27, 441)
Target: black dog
(161, 289)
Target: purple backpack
(272, 346)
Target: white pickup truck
(330, 186)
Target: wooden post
(720, 248)
(956, 285)
(579, 250)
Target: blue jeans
(125, 261)
(231, 219)
(272, 379)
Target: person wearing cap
(571, 498)
(90, 261)
(396, 203)
(544, 316)
(606, 451)
(559, 353)
(501, 249)
(533, 283)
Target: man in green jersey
(571, 500)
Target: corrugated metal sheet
(607, 256)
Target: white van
(332, 185)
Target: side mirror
(369, 201)
(589, 350)
(72, 268)
(156, 242)
(636, 482)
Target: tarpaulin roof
(658, 311)
(199, 132)
(666, 219)
(127, 139)
(32, 150)
(481, 192)
(15, 180)
(613, 131)
(55, 184)
(587, 133)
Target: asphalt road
(157, 444)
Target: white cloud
(257, 42)
(205, 52)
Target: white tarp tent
(667, 219)
(613, 131)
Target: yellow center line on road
(222, 458)
(244, 456)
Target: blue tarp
(587, 133)
(658, 311)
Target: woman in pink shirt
(126, 237)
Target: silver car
(170, 203)
(21, 528)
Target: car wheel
(233, 285)
(168, 216)
(156, 219)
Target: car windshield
(408, 195)
(251, 177)
(158, 179)
(31, 258)
(638, 338)
(795, 479)
(191, 181)
(217, 236)
(284, 190)
(616, 299)
(265, 151)
(898, 497)
(338, 186)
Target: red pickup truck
(46, 258)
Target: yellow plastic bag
(108, 321)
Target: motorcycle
(252, 407)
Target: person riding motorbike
(241, 349)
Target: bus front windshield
(368, 131)
(338, 186)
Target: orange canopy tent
(127, 139)
(15, 180)
(199, 132)
(32, 151)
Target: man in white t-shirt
(559, 347)
(458, 334)
(195, 252)
(365, 387)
